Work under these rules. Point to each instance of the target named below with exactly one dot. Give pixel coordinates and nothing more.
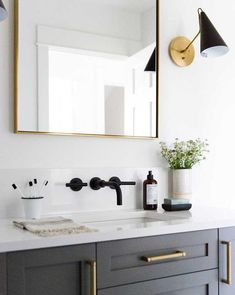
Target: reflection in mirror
(81, 67)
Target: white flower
(184, 154)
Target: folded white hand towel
(54, 226)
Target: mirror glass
(80, 67)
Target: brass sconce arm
(191, 42)
(199, 11)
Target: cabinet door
(3, 271)
(54, 271)
(199, 283)
(227, 261)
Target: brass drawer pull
(92, 277)
(228, 245)
(177, 254)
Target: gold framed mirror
(80, 68)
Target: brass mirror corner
(81, 70)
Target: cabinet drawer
(200, 283)
(121, 262)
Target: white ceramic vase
(182, 184)
(32, 207)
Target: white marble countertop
(115, 226)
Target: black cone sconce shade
(212, 44)
(3, 11)
(181, 49)
(151, 66)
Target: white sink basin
(126, 219)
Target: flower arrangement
(184, 154)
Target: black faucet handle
(95, 183)
(128, 183)
(76, 184)
(119, 182)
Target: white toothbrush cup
(32, 207)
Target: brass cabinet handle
(228, 245)
(176, 254)
(92, 277)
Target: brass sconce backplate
(178, 54)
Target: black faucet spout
(114, 183)
(119, 196)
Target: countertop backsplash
(59, 199)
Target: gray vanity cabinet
(175, 264)
(55, 271)
(227, 261)
(3, 275)
(199, 283)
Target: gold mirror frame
(16, 84)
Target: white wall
(199, 101)
(195, 101)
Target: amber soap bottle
(150, 193)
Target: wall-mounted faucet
(114, 183)
(76, 184)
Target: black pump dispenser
(150, 175)
(150, 192)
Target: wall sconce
(3, 11)
(151, 66)
(182, 51)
